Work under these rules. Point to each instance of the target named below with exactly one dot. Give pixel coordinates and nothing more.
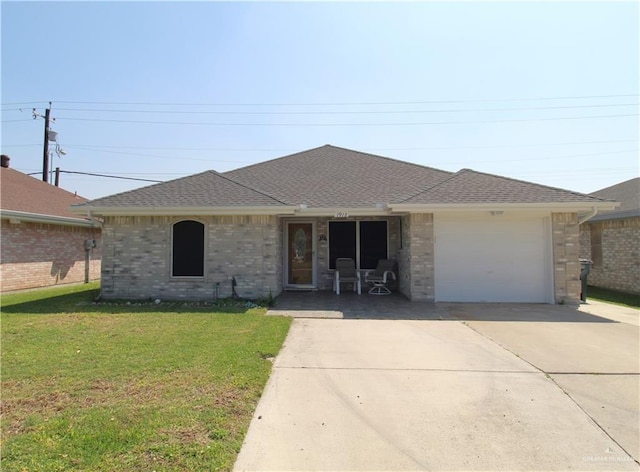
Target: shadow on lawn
(85, 302)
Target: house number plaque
(341, 214)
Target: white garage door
(484, 258)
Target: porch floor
(326, 304)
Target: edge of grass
(612, 296)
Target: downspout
(594, 212)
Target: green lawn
(129, 387)
(610, 296)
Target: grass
(116, 386)
(611, 296)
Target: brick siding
(416, 258)
(137, 264)
(620, 268)
(566, 266)
(37, 255)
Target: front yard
(129, 387)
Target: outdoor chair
(346, 272)
(383, 273)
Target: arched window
(188, 249)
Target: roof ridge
(275, 159)
(264, 194)
(149, 186)
(331, 146)
(619, 184)
(466, 170)
(388, 158)
(502, 177)
(209, 171)
(451, 177)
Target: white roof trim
(48, 219)
(177, 211)
(554, 207)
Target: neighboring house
(42, 242)
(612, 240)
(281, 224)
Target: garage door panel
(490, 259)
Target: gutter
(584, 219)
(183, 211)
(467, 207)
(47, 219)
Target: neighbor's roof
(470, 187)
(627, 193)
(28, 198)
(330, 177)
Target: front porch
(350, 305)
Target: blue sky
(546, 92)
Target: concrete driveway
(503, 387)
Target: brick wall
(620, 267)
(566, 267)
(416, 258)
(137, 262)
(37, 255)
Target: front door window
(300, 253)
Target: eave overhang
(183, 211)
(19, 216)
(466, 207)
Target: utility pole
(45, 153)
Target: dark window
(366, 246)
(342, 241)
(188, 249)
(373, 243)
(596, 244)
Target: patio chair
(383, 273)
(346, 272)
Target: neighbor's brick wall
(325, 275)
(137, 264)
(416, 258)
(37, 255)
(620, 269)
(566, 266)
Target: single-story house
(611, 240)
(280, 225)
(43, 242)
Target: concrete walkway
(467, 394)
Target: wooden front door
(300, 251)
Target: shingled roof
(207, 189)
(23, 194)
(330, 177)
(470, 187)
(627, 193)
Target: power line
(432, 148)
(346, 124)
(103, 175)
(412, 102)
(343, 112)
